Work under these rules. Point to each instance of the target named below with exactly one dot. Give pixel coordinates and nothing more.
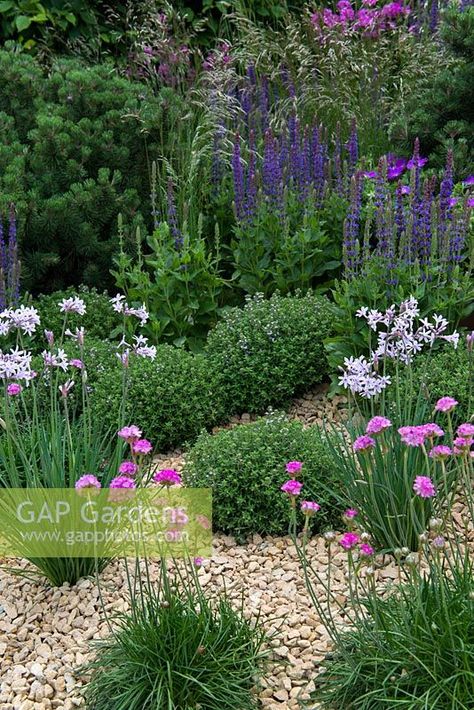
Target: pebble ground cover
(236, 256)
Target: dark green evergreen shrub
(245, 468)
(74, 153)
(443, 115)
(266, 352)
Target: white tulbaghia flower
(24, 318)
(118, 303)
(74, 304)
(58, 359)
(401, 341)
(142, 349)
(78, 335)
(16, 365)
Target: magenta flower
(445, 404)
(198, 561)
(440, 452)
(293, 467)
(292, 487)
(351, 513)
(470, 340)
(412, 435)
(75, 362)
(87, 481)
(377, 424)
(462, 443)
(309, 507)
(466, 430)
(128, 468)
(430, 430)
(14, 389)
(439, 542)
(363, 443)
(122, 482)
(423, 487)
(167, 477)
(130, 433)
(469, 180)
(366, 550)
(349, 540)
(142, 447)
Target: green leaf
(6, 5)
(22, 22)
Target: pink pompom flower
(349, 540)
(130, 433)
(366, 550)
(75, 362)
(197, 561)
(87, 481)
(122, 482)
(466, 430)
(309, 507)
(351, 513)
(363, 443)
(128, 468)
(167, 477)
(142, 447)
(445, 404)
(440, 452)
(14, 389)
(431, 430)
(412, 435)
(292, 487)
(377, 424)
(461, 443)
(293, 468)
(424, 487)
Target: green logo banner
(56, 522)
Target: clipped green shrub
(245, 468)
(269, 350)
(171, 398)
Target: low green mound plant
(177, 650)
(269, 350)
(173, 396)
(243, 467)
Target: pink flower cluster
(292, 487)
(369, 20)
(309, 507)
(377, 425)
(363, 443)
(424, 487)
(167, 477)
(417, 435)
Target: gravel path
(45, 633)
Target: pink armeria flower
(167, 477)
(14, 389)
(363, 443)
(466, 430)
(351, 513)
(122, 482)
(309, 507)
(349, 540)
(445, 404)
(293, 467)
(130, 433)
(424, 487)
(378, 424)
(198, 561)
(460, 442)
(292, 487)
(87, 481)
(142, 447)
(412, 435)
(128, 468)
(430, 430)
(75, 362)
(438, 542)
(440, 452)
(366, 550)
